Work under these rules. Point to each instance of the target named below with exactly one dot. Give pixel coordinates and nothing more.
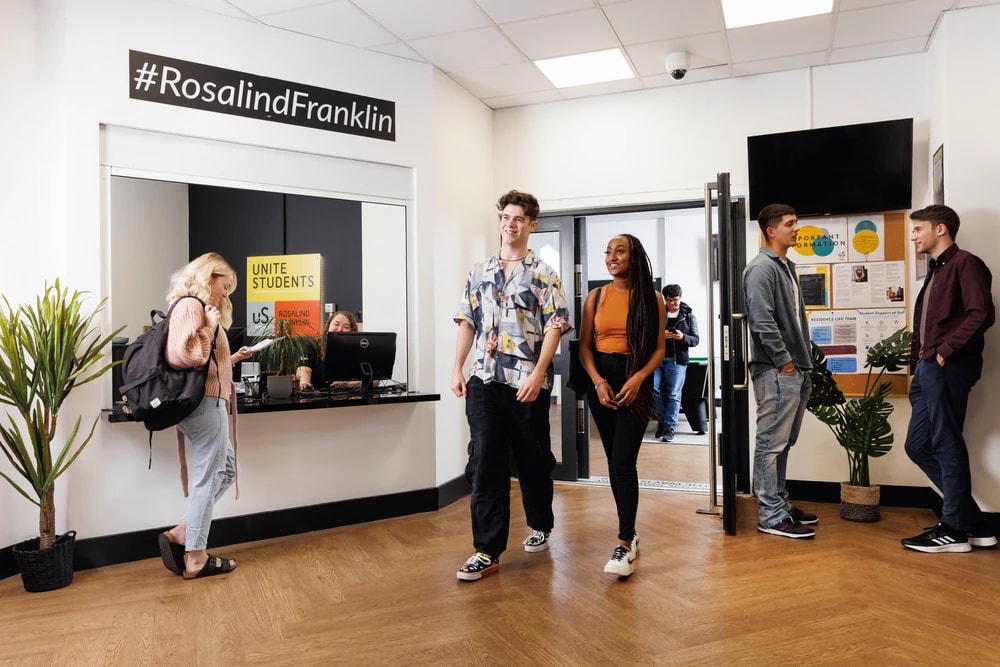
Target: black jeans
(500, 426)
(939, 397)
(621, 434)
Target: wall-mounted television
(864, 168)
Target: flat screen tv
(359, 355)
(863, 168)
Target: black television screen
(359, 355)
(863, 168)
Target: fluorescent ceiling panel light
(741, 13)
(584, 68)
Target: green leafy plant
(284, 355)
(860, 424)
(46, 350)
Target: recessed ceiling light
(584, 68)
(741, 13)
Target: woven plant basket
(859, 503)
(46, 570)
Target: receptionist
(312, 374)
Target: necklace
(515, 259)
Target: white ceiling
(486, 46)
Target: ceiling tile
(513, 79)
(507, 11)
(338, 22)
(414, 19)
(887, 22)
(215, 6)
(562, 35)
(522, 100)
(639, 21)
(851, 5)
(776, 40)
(468, 50)
(594, 89)
(399, 50)
(706, 51)
(265, 7)
(881, 50)
(800, 61)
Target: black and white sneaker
(804, 518)
(622, 561)
(536, 541)
(478, 566)
(981, 535)
(788, 528)
(939, 539)
(668, 435)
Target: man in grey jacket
(780, 361)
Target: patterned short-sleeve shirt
(511, 315)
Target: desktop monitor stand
(367, 376)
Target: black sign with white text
(196, 86)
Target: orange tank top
(609, 321)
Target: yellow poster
(284, 287)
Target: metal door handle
(741, 318)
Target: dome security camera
(677, 64)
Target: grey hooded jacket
(772, 312)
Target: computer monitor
(359, 355)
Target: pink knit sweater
(189, 343)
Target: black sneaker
(668, 435)
(659, 430)
(939, 539)
(478, 566)
(788, 528)
(982, 536)
(804, 518)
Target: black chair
(694, 396)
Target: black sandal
(214, 565)
(171, 553)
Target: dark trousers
(501, 426)
(939, 397)
(621, 434)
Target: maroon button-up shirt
(959, 307)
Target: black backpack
(154, 392)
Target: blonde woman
(197, 337)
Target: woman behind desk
(312, 375)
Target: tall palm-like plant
(46, 350)
(286, 353)
(861, 424)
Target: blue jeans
(500, 426)
(781, 403)
(214, 466)
(939, 397)
(668, 381)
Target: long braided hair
(643, 322)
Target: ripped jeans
(214, 466)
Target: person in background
(953, 311)
(512, 313)
(310, 374)
(668, 380)
(780, 362)
(621, 345)
(193, 328)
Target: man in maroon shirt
(953, 310)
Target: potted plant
(280, 357)
(860, 424)
(46, 350)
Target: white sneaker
(622, 561)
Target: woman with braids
(621, 344)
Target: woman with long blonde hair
(197, 337)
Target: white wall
(65, 68)
(663, 145)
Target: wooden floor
(386, 593)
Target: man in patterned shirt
(512, 313)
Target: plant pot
(49, 569)
(280, 386)
(859, 503)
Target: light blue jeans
(668, 381)
(781, 403)
(214, 467)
